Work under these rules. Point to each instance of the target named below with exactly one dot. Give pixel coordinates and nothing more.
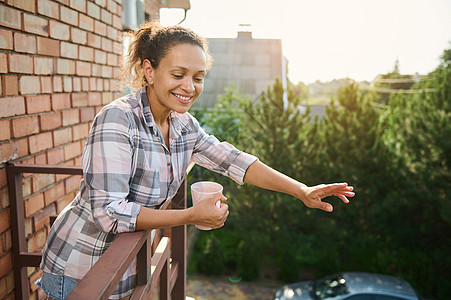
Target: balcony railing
(160, 263)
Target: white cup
(205, 190)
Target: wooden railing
(161, 263)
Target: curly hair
(153, 41)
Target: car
(350, 286)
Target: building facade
(59, 64)
(250, 64)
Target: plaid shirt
(126, 165)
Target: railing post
(178, 247)
(18, 230)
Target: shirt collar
(177, 124)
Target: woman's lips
(183, 99)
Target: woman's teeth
(182, 97)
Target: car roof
(358, 282)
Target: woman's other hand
(312, 196)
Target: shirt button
(169, 163)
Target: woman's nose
(188, 85)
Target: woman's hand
(312, 196)
(208, 214)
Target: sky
(331, 39)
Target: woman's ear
(148, 71)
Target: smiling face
(177, 81)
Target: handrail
(166, 264)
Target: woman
(137, 153)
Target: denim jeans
(56, 286)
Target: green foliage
(398, 160)
(211, 260)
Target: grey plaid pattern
(126, 165)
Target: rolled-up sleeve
(107, 167)
(221, 157)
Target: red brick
(69, 16)
(94, 99)
(36, 25)
(43, 65)
(117, 48)
(65, 2)
(12, 106)
(3, 63)
(94, 40)
(38, 103)
(79, 5)
(48, 8)
(107, 72)
(60, 101)
(50, 121)
(4, 198)
(79, 99)
(76, 83)
(55, 156)
(10, 85)
(107, 97)
(112, 6)
(42, 181)
(25, 126)
(117, 22)
(71, 117)
(99, 28)
(105, 16)
(101, 3)
(73, 183)
(112, 60)
(24, 4)
(5, 220)
(65, 66)
(57, 84)
(6, 39)
(34, 204)
(80, 131)
(61, 204)
(54, 193)
(5, 134)
(86, 53)
(100, 56)
(10, 17)
(46, 84)
(87, 114)
(67, 84)
(59, 30)
(40, 159)
(106, 84)
(5, 264)
(93, 10)
(86, 22)
(71, 151)
(19, 63)
(40, 142)
(24, 43)
(85, 84)
(92, 84)
(6, 240)
(3, 181)
(29, 85)
(37, 240)
(112, 33)
(48, 46)
(69, 50)
(107, 44)
(96, 71)
(83, 68)
(62, 136)
(78, 36)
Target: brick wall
(59, 64)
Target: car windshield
(330, 287)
